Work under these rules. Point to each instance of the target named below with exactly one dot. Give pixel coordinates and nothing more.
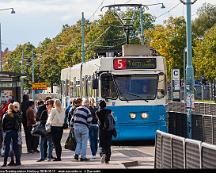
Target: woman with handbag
(46, 139)
(10, 125)
(16, 110)
(55, 121)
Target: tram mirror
(108, 89)
(95, 83)
(161, 73)
(161, 85)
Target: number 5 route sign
(39, 86)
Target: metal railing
(203, 126)
(172, 151)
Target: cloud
(66, 17)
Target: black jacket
(42, 114)
(10, 123)
(24, 107)
(101, 114)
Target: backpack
(109, 123)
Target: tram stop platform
(123, 157)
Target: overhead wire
(98, 38)
(127, 1)
(96, 10)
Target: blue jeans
(11, 135)
(81, 133)
(44, 139)
(93, 138)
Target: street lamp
(189, 69)
(12, 12)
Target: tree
(169, 41)
(205, 20)
(205, 55)
(12, 62)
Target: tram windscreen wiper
(118, 91)
(124, 97)
(133, 94)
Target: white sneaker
(93, 157)
(103, 158)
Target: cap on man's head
(102, 104)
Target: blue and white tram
(133, 86)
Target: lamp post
(83, 54)
(189, 68)
(184, 52)
(22, 71)
(33, 91)
(1, 62)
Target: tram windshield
(136, 87)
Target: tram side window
(108, 89)
(161, 92)
(64, 88)
(77, 88)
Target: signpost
(176, 85)
(39, 86)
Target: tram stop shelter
(10, 86)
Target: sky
(36, 20)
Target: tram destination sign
(134, 63)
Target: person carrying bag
(70, 143)
(56, 120)
(38, 129)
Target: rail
(173, 151)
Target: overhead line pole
(22, 71)
(83, 54)
(141, 26)
(189, 69)
(33, 80)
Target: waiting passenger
(105, 136)
(80, 123)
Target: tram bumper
(139, 132)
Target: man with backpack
(106, 126)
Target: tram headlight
(132, 115)
(144, 115)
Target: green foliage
(205, 55)
(12, 62)
(205, 20)
(169, 41)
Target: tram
(133, 85)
